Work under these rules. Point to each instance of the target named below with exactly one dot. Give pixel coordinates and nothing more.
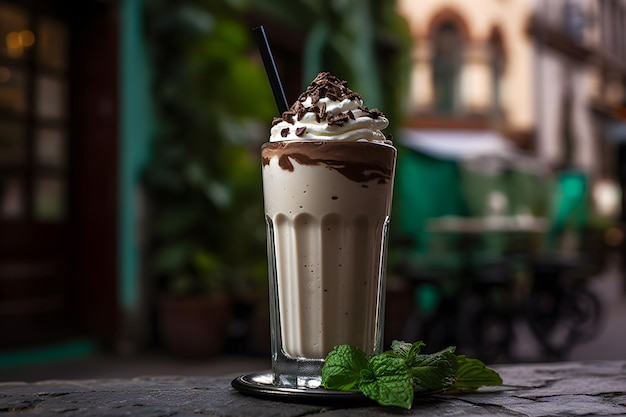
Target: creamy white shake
(327, 180)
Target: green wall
(136, 127)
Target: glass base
(297, 372)
(293, 381)
(261, 385)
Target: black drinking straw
(270, 68)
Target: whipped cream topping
(329, 110)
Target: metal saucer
(261, 385)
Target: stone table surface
(554, 389)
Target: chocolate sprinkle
(338, 119)
(300, 131)
(329, 86)
(285, 132)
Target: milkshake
(327, 179)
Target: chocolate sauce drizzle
(354, 170)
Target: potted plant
(195, 308)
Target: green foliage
(203, 178)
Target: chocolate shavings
(329, 86)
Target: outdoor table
(488, 224)
(470, 230)
(546, 389)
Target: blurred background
(132, 237)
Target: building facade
(472, 65)
(580, 73)
(545, 75)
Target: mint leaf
(388, 381)
(404, 350)
(415, 350)
(342, 368)
(473, 373)
(434, 371)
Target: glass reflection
(49, 199)
(50, 147)
(11, 198)
(12, 143)
(50, 98)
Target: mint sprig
(473, 373)
(391, 377)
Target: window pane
(447, 62)
(16, 39)
(12, 143)
(50, 98)
(13, 95)
(53, 43)
(496, 62)
(49, 199)
(50, 148)
(11, 198)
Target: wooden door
(35, 214)
(58, 162)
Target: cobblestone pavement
(558, 389)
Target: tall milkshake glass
(327, 208)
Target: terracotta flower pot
(194, 326)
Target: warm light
(27, 38)
(497, 203)
(607, 198)
(14, 45)
(5, 74)
(13, 40)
